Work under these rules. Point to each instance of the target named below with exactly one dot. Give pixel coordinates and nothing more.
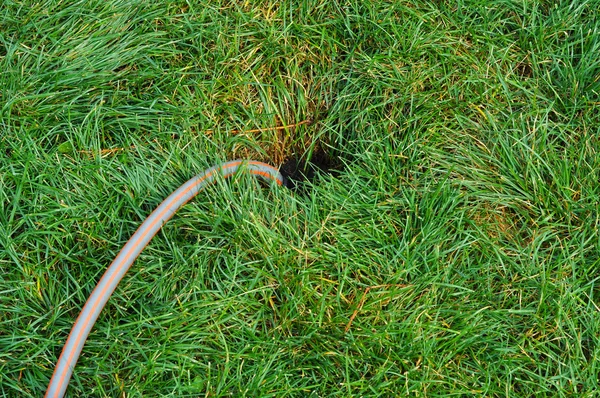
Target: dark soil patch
(298, 169)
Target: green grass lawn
(455, 251)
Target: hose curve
(134, 246)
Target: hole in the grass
(298, 169)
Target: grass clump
(455, 251)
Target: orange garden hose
(134, 246)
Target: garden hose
(134, 246)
